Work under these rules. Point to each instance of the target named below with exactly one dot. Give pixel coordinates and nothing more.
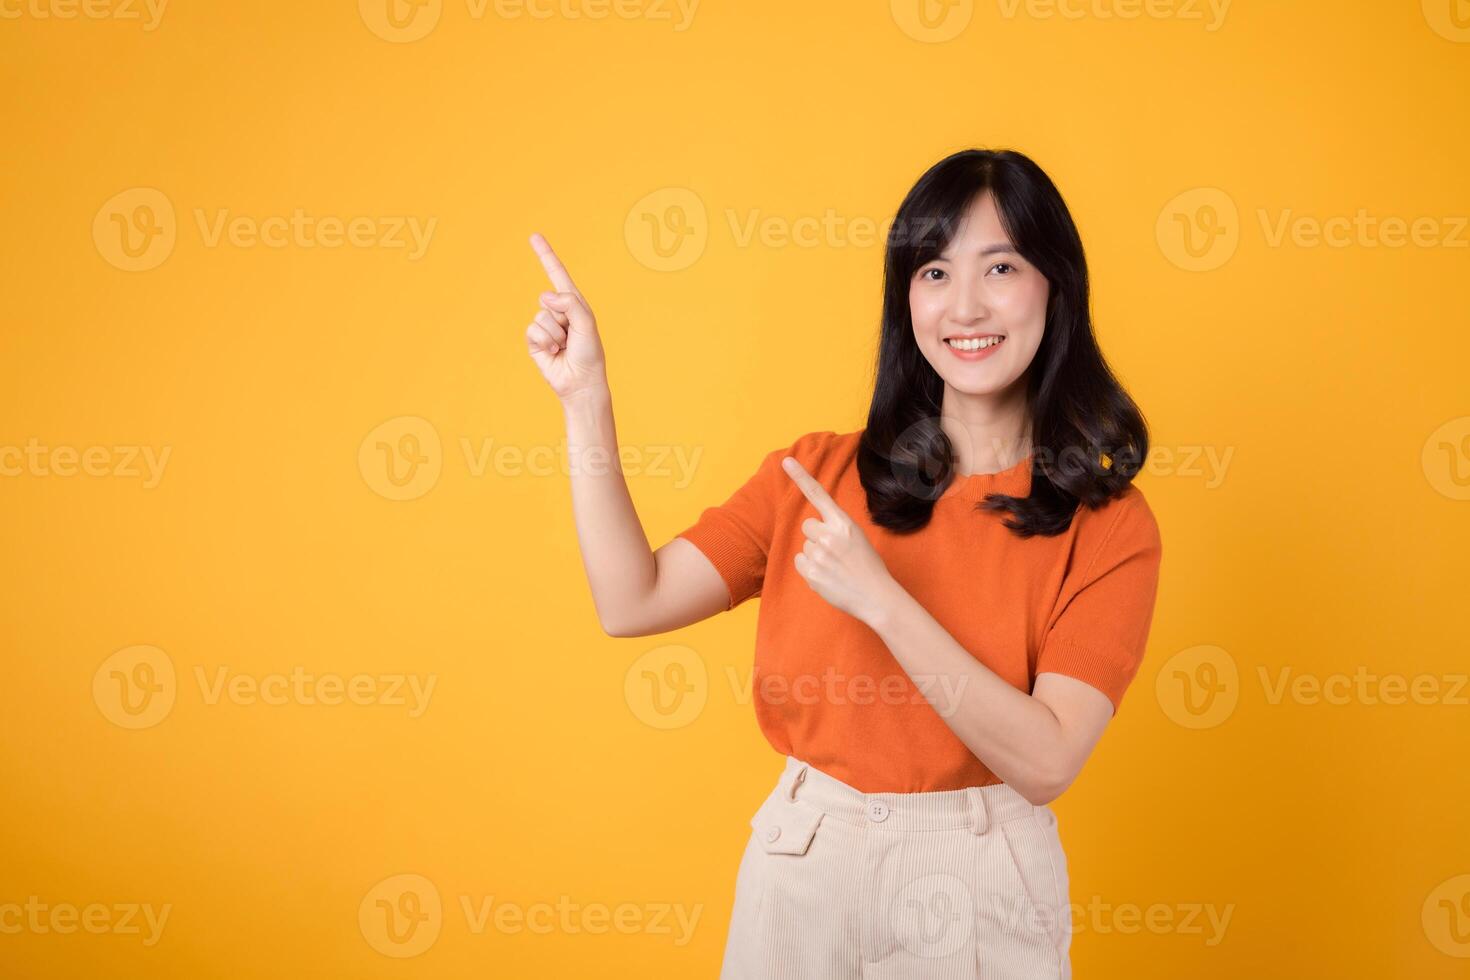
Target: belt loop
(796, 781)
(979, 817)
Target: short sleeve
(736, 535)
(1101, 630)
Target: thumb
(578, 315)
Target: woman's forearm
(615, 553)
(1016, 736)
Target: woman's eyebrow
(985, 250)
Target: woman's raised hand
(563, 337)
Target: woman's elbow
(1047, 783)
(1038, 794)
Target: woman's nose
(969, 303)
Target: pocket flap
(786, 826)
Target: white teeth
(974, 343)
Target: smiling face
(979, 309)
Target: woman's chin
(967, 383)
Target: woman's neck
(989, 433)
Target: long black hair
(1088, 437)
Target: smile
(973, 348)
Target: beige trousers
(964, 884)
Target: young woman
(954, 598)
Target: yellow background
(1332, 834)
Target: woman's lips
(974, 355)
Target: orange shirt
(828, 691)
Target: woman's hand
(563, 338)
(838, 561)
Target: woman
(955, 597)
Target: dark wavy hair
(1088, 437)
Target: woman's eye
(999, 265)
(925, 273)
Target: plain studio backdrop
(302, 676)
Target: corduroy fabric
(952, 885)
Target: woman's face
(979, 288)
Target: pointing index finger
(813, 490)
(554, 269)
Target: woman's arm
(1036, 743)
(635, 591)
